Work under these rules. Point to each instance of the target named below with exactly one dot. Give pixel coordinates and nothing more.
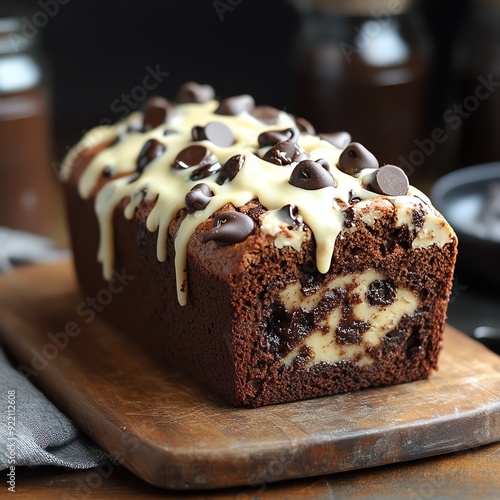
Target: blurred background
(414, 81)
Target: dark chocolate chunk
(107, 171)
(355, 158)
(236, 105)
(192, 92)
(417, 218)
(205, 171)
(349, 330)
(230, 169)
(198, 133)
(395, 336)
(285, 153)
(272, 137)
(301, 325)
(255, 210)
(309, 174)
(198, 198)
(286, 330)
(413, 344)
(390, 180)
(339, 139)
(229, 227)
(304, 126)
(193, 156)
(289, 215)
(348, 217)
(266, 114)
(151, 150)
(156, 110)
(353, 197)
(216, 132)
(310, 266)
(381, 293)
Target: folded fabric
(42, 435)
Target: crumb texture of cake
(270, 263)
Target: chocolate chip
(285, 153)
(151, 150)
(107, 171)
(230, 169)
(229, 227)
(193, 156)
(289, 215)
(156, 110)
(355, 158)
(236, 105)
(381, 293)
(266, 114)
(390, 180)
(198, 198)
(304, 126)
(216, 132)
(353, 197)
(339, 139)
(169, 131)
(198, 133)
(205, 171)
(309, 174)
(272, 137)
(192, 92)
(204, 188)
(219, 134)
(325, 165)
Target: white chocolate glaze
(258, 179)
(273, 225)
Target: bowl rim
(456, 179)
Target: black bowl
(462, 197)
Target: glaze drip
(321, 208)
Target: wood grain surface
(172, 434)
(468, 475)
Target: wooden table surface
(474, 474)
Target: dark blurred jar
(27, 183)
(478, 66)
(364, 66)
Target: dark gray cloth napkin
(42, 435)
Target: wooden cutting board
(172, 434)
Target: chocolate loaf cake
(268, 263)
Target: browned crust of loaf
(222, 336)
